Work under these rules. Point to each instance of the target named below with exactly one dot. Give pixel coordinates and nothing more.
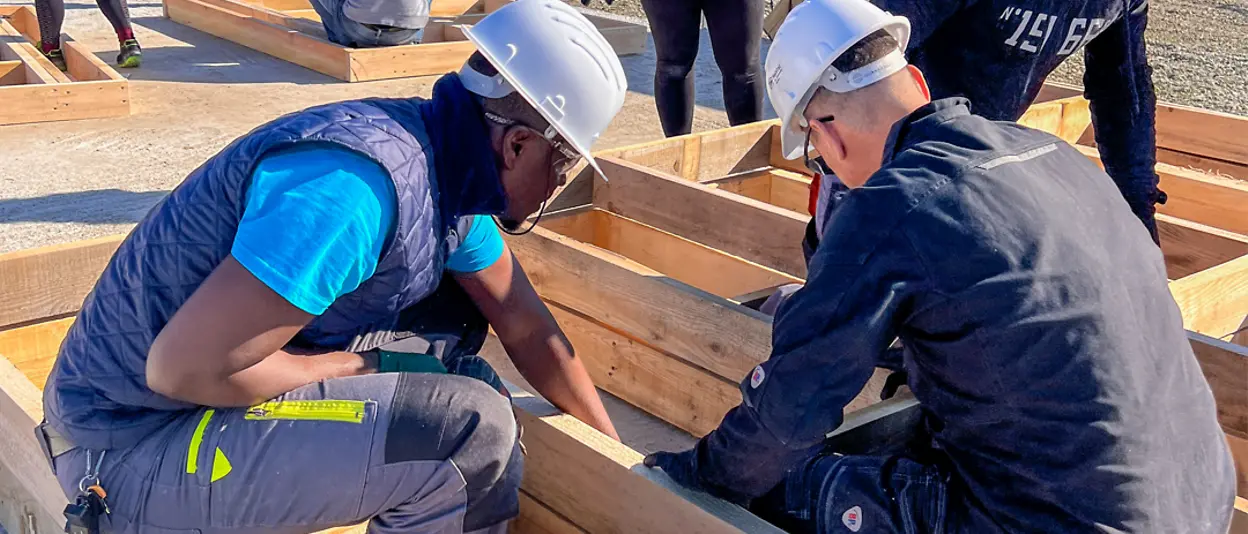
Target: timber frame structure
(34, 90)
(291, 30)
(648, 283)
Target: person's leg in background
(51, 14)
(118, 14)
(676, 27)
(736, 30)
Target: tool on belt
(83, 515)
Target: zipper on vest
(340, 411)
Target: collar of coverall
(932, 113)
(467, 173)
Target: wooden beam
(1222, 168)
(689, 398)
(790, 190)
(85, 66)
(29, 493)
(704, 330)
(1202, 132)
(600, 485)
(1192, 247)
(690, 262)
(704, 155)
(536, 518)
(32, 349)
(744, 227)
(1239, 453)
(64, 101)
(277, 41)
(12, 72)
(1214, 302)
(1225, 366)
(1198, 197)
(409, 60)
(25, 21)
(51, 281)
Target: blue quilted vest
(437, 153)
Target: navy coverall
(1047, 353)
(997, 54)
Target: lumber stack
(32, 89)
(291, 30)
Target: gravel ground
(1198, 52)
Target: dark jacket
(438, 155)
(1040, 338)
(997, 54)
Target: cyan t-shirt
(316, 220)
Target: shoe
(131, 55)
(57, 58)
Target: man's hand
(534, 341)
(683, 468)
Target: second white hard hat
(800, 59)
(562, 65)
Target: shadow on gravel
(708, 84)
(208, 59)
(104, 206)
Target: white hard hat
(555, 57)
(800, 59)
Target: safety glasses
(569, 157)
(816, 165)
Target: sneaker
(131, 55)
(57, 58)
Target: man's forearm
(549, 365)
(277, 374)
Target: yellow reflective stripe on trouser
(197, 439)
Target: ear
(515, 143)
(828, 142)
(920, 80)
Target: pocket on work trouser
(300, 459)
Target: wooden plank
(668, 388)
(1192, 247)
(1215, 166)
(85, 66)
(38, 66)
(1214, 302)
(51, 281)
(704, 330)
(704, 155)
(32, 349)
(755, 185)
(744, 227)
(600, 485)
(536, 518)
(790, 190)
(64, 101)
(625, 38)
(1203, 132)
(1239, 522)
(1225, 366)
(29, 493)
(280, 42)
(25, 21)
(693, 263)
(12, 72)
(1198, 197)
(384, 63)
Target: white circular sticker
(756, 378)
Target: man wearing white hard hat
(288, 342)
(1057, 387)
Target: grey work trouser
(413, 452)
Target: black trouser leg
(675, 25)
(117, 13)
(736, 28)
(51, 14)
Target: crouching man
(287, 342)
(1040, 339)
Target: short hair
(513, 106)
(870, 49)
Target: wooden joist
(290, 30)
(36, 91)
